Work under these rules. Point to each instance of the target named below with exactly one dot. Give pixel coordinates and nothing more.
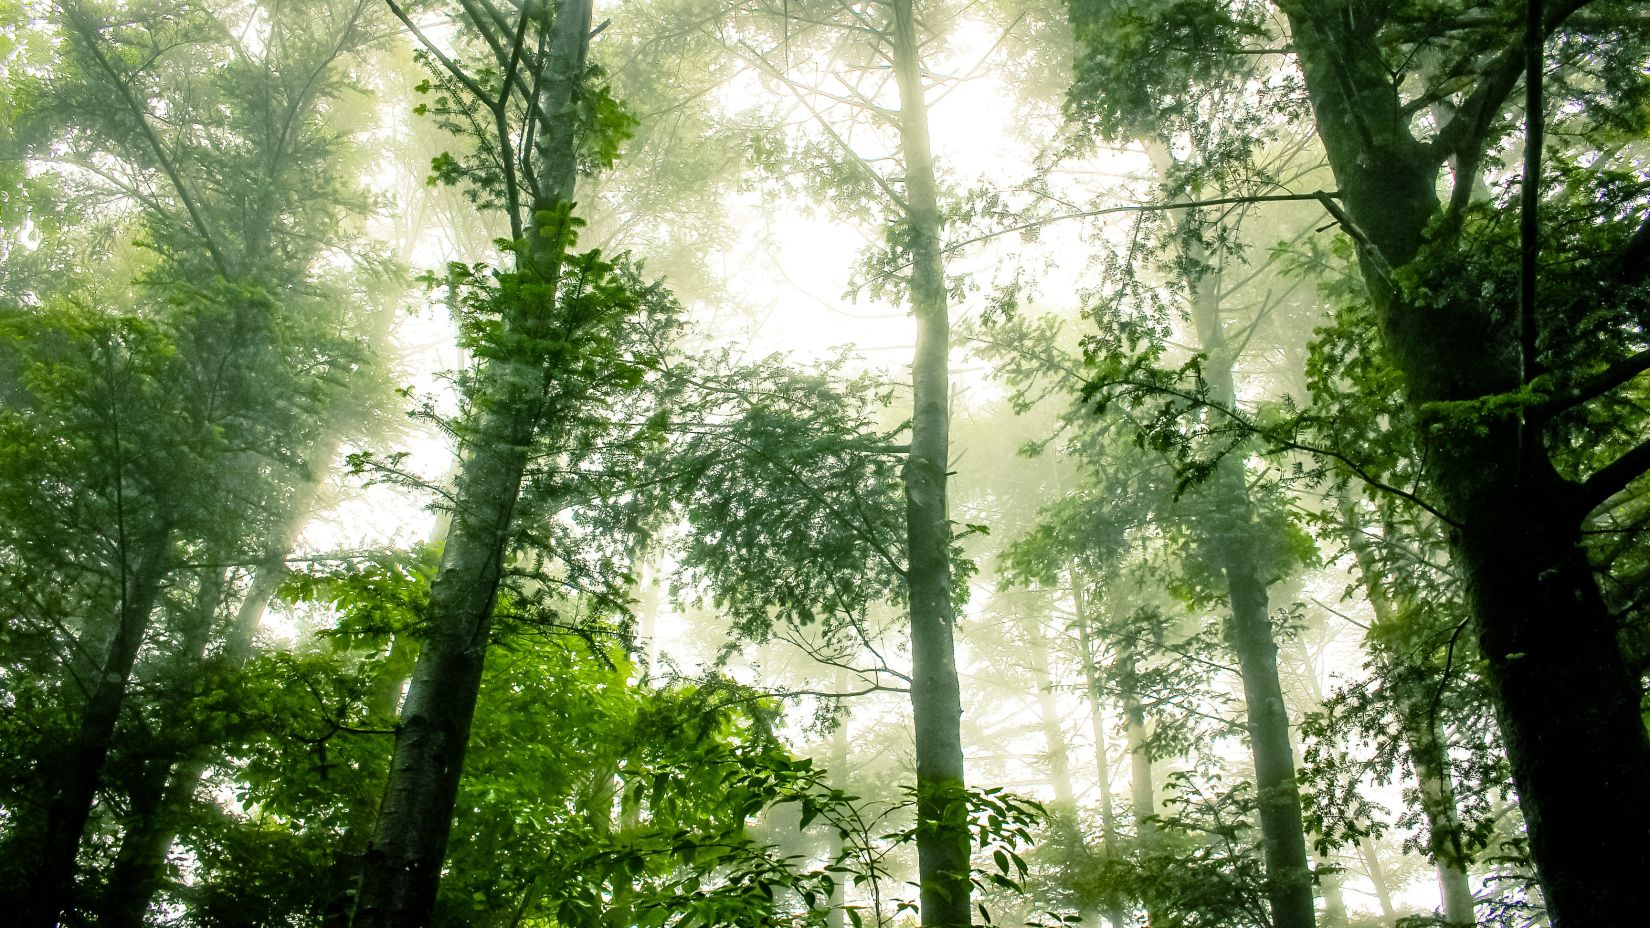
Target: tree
(913, 221)
(192, 395)
(544, 334)
(1500, 387)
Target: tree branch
(1324, 196)
(1593, 387)
(123, 85)
(1613, 477)
(876, 178)
(1495, 84)
(447, 63)
(1281, 443)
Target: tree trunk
(1427, 753)
(76, 780)
(1377, 878)
(150, 833)
(1334, 899)
(1142, 790)
(1283, 832)
(943, 842)
(402, 870)
(1288, 879)
(1048, 715)
(1568, 708)
(1097, 716)
(837, 915)
(1444, 825)
(150, 823)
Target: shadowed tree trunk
(75, 780)
(150, 824)
(837, 917)
(1568, 708)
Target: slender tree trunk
(1048, 715)
(1334, 899)
(1444, 825)
(1097, 716)
(1283, 831)
(74, 782)
(943, 842)
(1330, 882)
(1421, 738)
(837, 916)
(1568, 708)
(402, 869)
(1378, 879)
(1289, 881)
(1142, 789)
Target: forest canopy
(697, 463)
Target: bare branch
(447, 63)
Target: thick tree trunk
(1568, 707)
(76, 779)
(1232, 545)
(1568, 710)
(936, 700)
(402, 870)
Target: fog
(696, 463)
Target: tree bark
(1102, 754)
(78, 777)
(943, 841)
(1233, 544)
(402, 869)
(1568, 708)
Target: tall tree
(233, 297)
(535, 120)
(1500, 388)
(943, 842)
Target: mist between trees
(820, 463)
